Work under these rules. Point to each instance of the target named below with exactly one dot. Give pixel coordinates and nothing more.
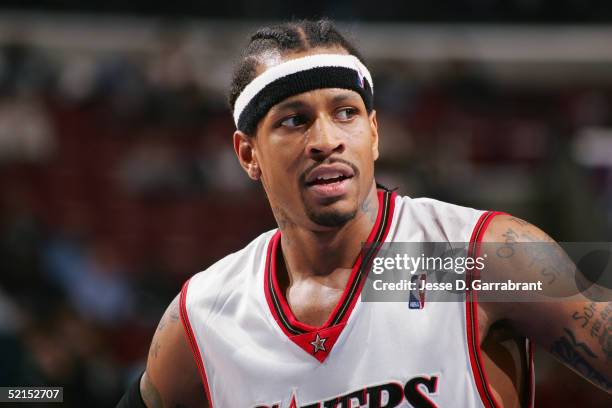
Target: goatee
(330, 218)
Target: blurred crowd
(119, 182)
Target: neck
(310, 253)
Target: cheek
(288, 155)
(361, 141)
(363, 147)
(280, 164)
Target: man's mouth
(329, 173)
(329, 180)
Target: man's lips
(333, 189)
(328, 174)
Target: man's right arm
(171, 379)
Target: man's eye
(346, 113)
(293, 121)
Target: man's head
(302, 103)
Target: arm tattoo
(548, 257)
(567, 349)
(149, 393)
(171, 315)
(507, 250)
(585, 316)
(154, 350)
(598, 325)
(520, 222)
(602, 331)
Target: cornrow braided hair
(287, 37)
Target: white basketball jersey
(252, 352)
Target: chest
(313, 302)
(384, 349)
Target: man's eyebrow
(288, 105)
(297, 104)
(342, 97)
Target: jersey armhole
(195, 350)
(471, 316)
(473, 336)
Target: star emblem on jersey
(318, 344)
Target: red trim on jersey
(478, 370)
(301, 333)
(192, 341)
(385, 217)
(471, 315)
(283, 302)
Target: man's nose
(323, 140)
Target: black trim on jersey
(365, 262)
(383, 187)
(284, 320)
(275, 300)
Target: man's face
(315, 155)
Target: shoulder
(506, 227)
(230, 277)
(519, 252)
(171, 377)
(433, 208)
(437, 219)
(230, 269)
(442, 208)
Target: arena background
(118, 179)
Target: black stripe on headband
(299, 82)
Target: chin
(331, 218)
(332, 211)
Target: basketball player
(280, 323)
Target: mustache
(327, 161)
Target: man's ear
(245, 150)
(374, 127)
